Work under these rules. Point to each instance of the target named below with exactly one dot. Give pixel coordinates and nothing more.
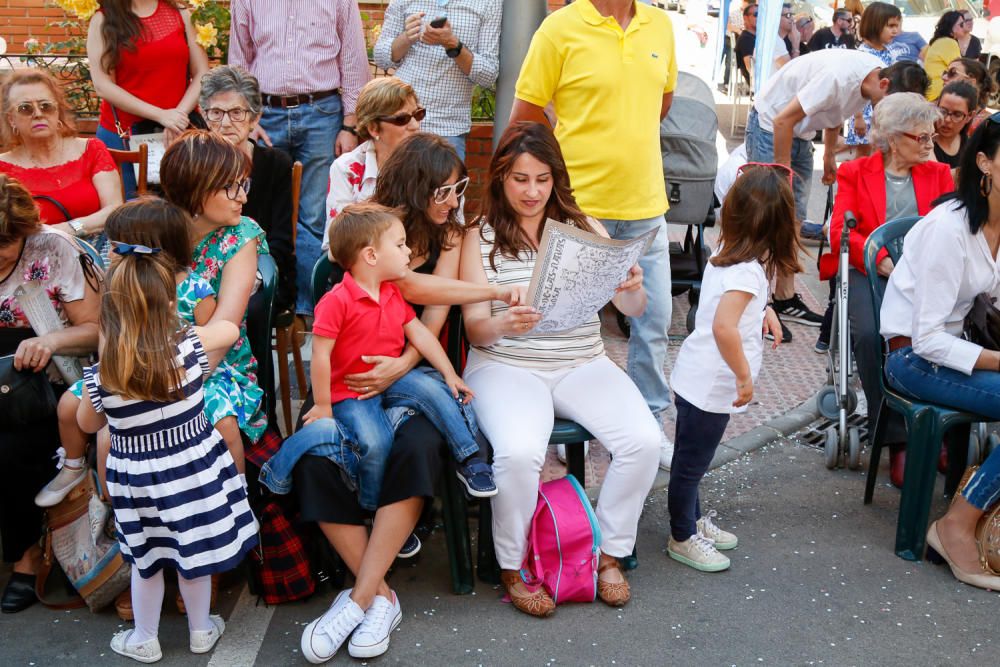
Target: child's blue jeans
(697, 437)
(365, 423)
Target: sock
(147, 601)
(75, 464)
(197, 594)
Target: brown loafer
(613, 594)
(534, 603)
(123, 605)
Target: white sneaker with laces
(64, 481)
(666, 452)
(147, 652)
(322, 637)
(699, 553)
(371, 639)
(723, 539)
(203, 641)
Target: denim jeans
(365, 423)
(458, 143)
(113, 141)
(914, 376)
(697, 437)
(647, 346)
(760, 148)
(308, 133)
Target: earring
(13, 128)
(375, 137)
(986, 185)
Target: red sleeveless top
(156, 70)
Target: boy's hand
(458, 388)
(317, 412)
(744, 392)
(772, 325)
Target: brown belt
(897, 342)
(292, 101)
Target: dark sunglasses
(402, 119)
(45, 107)
(785, 170)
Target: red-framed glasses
(767, 165)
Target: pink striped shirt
(301, 46)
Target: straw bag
(987, 531)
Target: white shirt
(701, 376)
(726, 175)
(827, 84)
(931, 290)
(352, 179)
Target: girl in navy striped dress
(177, 497)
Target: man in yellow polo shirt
(608, 67)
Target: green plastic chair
(260, 325)
(926, 423)
(325, 274)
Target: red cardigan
(861, 190)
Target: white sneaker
(371, 639)
(666, 451)
(53, 492)
(322, 637)
(699, 553)
(561, 452)
(148, 651)
(203, 641)
(723, 540)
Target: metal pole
(520, 20)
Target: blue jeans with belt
(916, 377)
(307, 132)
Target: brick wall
(24, 19)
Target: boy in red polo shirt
(366, 314)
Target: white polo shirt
(827, 84)
(701, 376)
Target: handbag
(150, 133)
(79, 536)
(982, 324)
(26, 397)
(987, 530)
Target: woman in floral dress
(207, 176)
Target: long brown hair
(18, 211)
(121, 29)
(156, 223)
(538, 141)
(758, 223)
(140, 325)
(406, 182)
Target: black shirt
(744, 47)
(269, 203)
(950, 160)
(825, 39)
(975, 48)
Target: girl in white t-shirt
(716, 367)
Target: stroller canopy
(687, 134)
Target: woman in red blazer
(901, 179)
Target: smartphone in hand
(439, 22)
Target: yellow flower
(197, 4)
(207, 35)
(84, 9)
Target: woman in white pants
(523, 380)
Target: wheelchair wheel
(828, 403)
(853, 449)
(832, 447)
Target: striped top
(546, 352)
(142, 426)
(306, 46)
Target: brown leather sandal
(535, 603)
(613, 594)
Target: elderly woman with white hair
(900, 179)
(231, 103)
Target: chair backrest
(325, 275)
(125, 160)
(92, 251)
(889, 236)
(260, 324)
(296, 193)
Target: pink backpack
(564, 543)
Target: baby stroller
(690, 161)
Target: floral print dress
(232, 390)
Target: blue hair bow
(129, 249)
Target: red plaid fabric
(281, 569)
(261, 451)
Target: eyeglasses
(845, 18)
(787, 16)
(233, 189)
(44, 107)
(442, 193)
(750, 166)
(753, 14)
(236, 114)
(402, 119)
(922, 139)
(957, 116)
(952, 73)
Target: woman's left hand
(632, 282)
(33, 354)
(371, 383)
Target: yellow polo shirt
(607, 87)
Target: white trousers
(515, 408)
